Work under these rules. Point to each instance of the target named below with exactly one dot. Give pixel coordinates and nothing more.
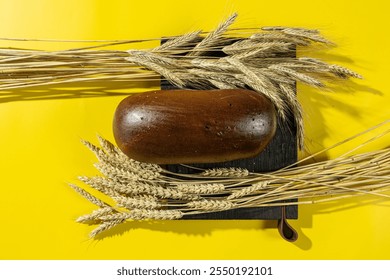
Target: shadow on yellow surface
(75, 90)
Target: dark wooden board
(280, 152)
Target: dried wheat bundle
(224, 58)
(143, 191)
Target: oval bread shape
(194, 126)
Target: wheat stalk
(225, 172)
(95, 215)
(222, 189)
(137, 203)
(104, 226)
(213, 38)
(201, 188)
(144, 214)
(211, 205)
(261, 62)
(89, 196)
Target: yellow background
(40, 132)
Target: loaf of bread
(194, 126)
